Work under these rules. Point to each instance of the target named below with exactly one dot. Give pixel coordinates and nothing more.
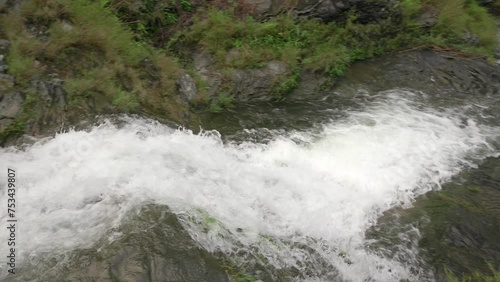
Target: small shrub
(222, 101)
(285, 85)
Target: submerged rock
(458, 226)
(151, 245)
(439, 73)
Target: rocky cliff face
(327, 10)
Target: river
(296, 185)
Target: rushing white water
(330, 187)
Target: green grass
(328, 48)
(285, 85)
(247, 43)
(331, 48)
(96, 55)
(220, 102)
(461, 24)
(105, 34)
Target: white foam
(331, 186)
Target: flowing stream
(293, 196)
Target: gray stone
(6, 81)
(327, 10)
(66, 26)
(260, 7)
(428, 18)
(10, 104)
(186, 87)
(52, 92)
(277, 68)
(4, 46)
(257, 84)
(202, 61)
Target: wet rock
(311, 85)
(151, 245)
(458, 226)
(441, 73)
(256, 84)
(186, 87)
(52, 92)
(48, 114)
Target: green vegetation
(99, 47)
(152, 18)
(17, 128)
(220, 102)
(461, 24)
(477, 276)
(330, 48)
(236, 274)
(99, 59)
(318, 46)
(285, 85)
